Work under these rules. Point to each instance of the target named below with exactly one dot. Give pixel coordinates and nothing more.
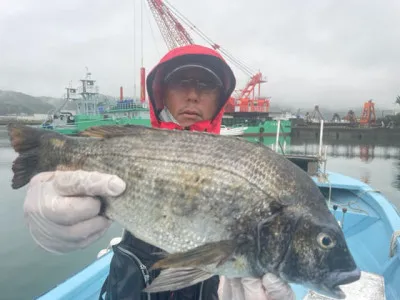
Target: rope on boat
(350, 205)
(393, 243)
(369, 191)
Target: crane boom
(169, 20)
(173, 32)
(251, 85)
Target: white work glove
(269, 287)
(61, 212)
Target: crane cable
(152, 32)
(245, 68)
(234, 60)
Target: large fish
(216, 205)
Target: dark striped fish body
(217, 205)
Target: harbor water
(27, 271)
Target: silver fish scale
(189, 189)
(256, 163)
(167, 209)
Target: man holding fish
(187, 90)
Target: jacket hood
(191, 54)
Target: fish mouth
(332, 282)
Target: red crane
(368, 116)
(173, 32)
(169, 21)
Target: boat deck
(368, 224)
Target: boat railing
(320, 157)
(322, 152)
(280, 133)
(127, 106)
(278, 144)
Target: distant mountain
(16, 103)
(12, 102)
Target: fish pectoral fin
(175, 279)
(207, 254)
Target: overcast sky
(331, 53)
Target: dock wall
(343, 134)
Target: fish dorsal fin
(110, 131)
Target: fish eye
(325, 241)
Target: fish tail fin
(27, 142)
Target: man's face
(191, 96)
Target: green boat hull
(256, 129)
(83, 122)
(267, 128)
(264, 132)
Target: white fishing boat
(233, 130)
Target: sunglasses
(198, 84)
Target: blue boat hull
(368, 226)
